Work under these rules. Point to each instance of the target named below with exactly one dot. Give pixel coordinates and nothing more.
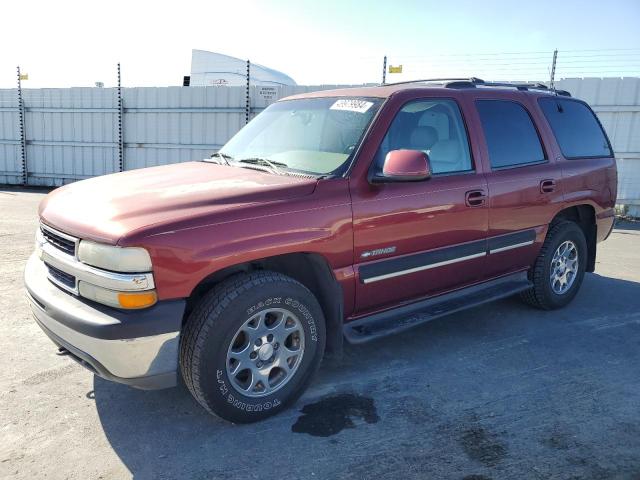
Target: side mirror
(404, 166)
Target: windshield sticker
(351, 105)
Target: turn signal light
(137, 300)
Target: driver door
(417, 239)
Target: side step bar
(408, 316)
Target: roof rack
(436, 80)
(474, 82)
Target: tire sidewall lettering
(297, 305)
(294, 304)
(213, 386)
(229, 394)
(239, 403)
(264, 303)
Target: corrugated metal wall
(70, 133)
(168, 125)
(73, 133)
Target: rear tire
(559, 269)
(252, 345)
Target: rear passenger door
(522, 178)
(585, 155)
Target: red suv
(345, 214)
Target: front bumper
(137, 348)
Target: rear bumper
(137, 348)
(605, 221)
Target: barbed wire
(546, 52)
(571, 63)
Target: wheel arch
(310, 269)
(584, 215)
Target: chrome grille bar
(63, 242)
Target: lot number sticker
(351, 105)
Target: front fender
(320, 224)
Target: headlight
(115, 259)
(127, 300)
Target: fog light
(137, 300)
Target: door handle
(475, 198)
(547, 186)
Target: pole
(23, 137)
(247, 106)
(553, 70)
(120, 131)
(384, 70)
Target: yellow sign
(24, 76)
(396, 69)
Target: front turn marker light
(137, 299)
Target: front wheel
(559, 269)
(251, 346)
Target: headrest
(422, 138)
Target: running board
(408, 316)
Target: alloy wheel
(265, 352)
(564, 267)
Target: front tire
(559, 269)
(252, 345)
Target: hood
(108, 207)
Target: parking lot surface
(500, 391)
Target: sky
(68, 43)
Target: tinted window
(576, 128)
(434, 126)
(511, 137)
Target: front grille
(61, 277)
(64, 244)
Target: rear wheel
(559, 269)
(252, 345)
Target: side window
(511, 137)
(576, 128)
(434, 126)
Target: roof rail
(473, 82)
(436, 80)
(519, 86)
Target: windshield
(310, 135)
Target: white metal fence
(73, 133)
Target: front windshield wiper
(223, 156)
(276, 167)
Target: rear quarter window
(576, 128)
